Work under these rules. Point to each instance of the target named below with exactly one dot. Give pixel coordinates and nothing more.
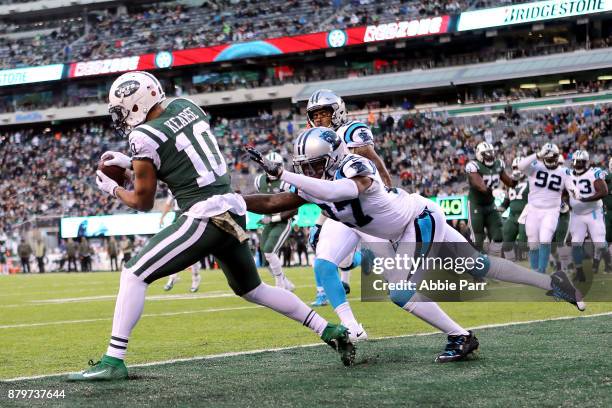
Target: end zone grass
(54, 323)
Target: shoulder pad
(599, 173)
(353, 166)
(356, 134)
(471, 167)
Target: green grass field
(54, 323)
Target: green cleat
(337, 336)
(107, 369)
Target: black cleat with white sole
(564, 289)
(458, 348)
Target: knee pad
(481, 266)
(401, 297)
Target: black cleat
(562, 288)
(458, 348)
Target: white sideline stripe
(101, 319)
(259, 351)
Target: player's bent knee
(481, 266)
(401, 297)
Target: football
(119, 174)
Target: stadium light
(604, 78)
(528, 86)
(565, 82)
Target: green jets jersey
(491, 177)
(518, 197)
(607, 200)
(184, 151)
(266, 186)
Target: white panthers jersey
(375, 211)
(355, 134)
(546, 185)
(585, 185)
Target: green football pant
(274, 236)
(188, 240)
(485, 218)
(513, 232)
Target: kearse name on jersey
(184, 118)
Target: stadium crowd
(48, 172)
(168, 25)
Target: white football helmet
(485, 153)
(549, 154)
(516, 173)
(580, 161)
(318, 152)
(325, 98)
(274, 158)
(131, 98)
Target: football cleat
(107, 369)
(347, 287)
(562, 288)
(320, 300)
(195, 284)
(458, 348)
(337, 337)
(170, 284)
(357, 333)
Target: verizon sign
(406, 29)
(101, 67)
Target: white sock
(510, 255)
(172, 278)
(495, 248)
(429, 311)
(345, 314)
(128, 308)
(506, 271)
(285, 302)
(345, 276)
(195, 269)
(274, 265)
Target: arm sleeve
(336, 190)
(527, 163)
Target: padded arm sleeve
(325, 190)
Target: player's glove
(313, 237)
(105, 183)
(543, 151)
(118, 159)
(273, 169)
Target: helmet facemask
(580, 166)
(317, 168)
(328, 118)
(488, 158)
(119, 116)
(551, 161)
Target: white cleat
(195, 284)
(357, 333)
(170, 284)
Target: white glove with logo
(105, 183)
(118, 159)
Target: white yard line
(61, 322)
(242, 353)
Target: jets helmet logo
(126, 89)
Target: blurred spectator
(127, 246)
(40, 251)
(298, 238)
(71, 253)
(24, 250)
(113, 252)
(85, 253)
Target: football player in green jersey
(276, 226)
(484, 175)
(513, 231)
(172, 141)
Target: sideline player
(348, 188)
(587, 187)
(172, 141)
(484, 175)
(335, 243)
(546, 183)
(276, 227)
(196, 278)
(514, 232)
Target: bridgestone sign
(530, 12)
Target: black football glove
(272, 169)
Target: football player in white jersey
(334, 243)
(587, 186)
(546, 183)
(349, 189)
(196, 278)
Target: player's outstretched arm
(368, 152)
(477, 182)
(328, 190)
(142, 197)
(273, 203)
(506, 179)
(525, 164)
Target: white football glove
(543, 152)
(576, 194)
(119, 159)
(105, 183)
